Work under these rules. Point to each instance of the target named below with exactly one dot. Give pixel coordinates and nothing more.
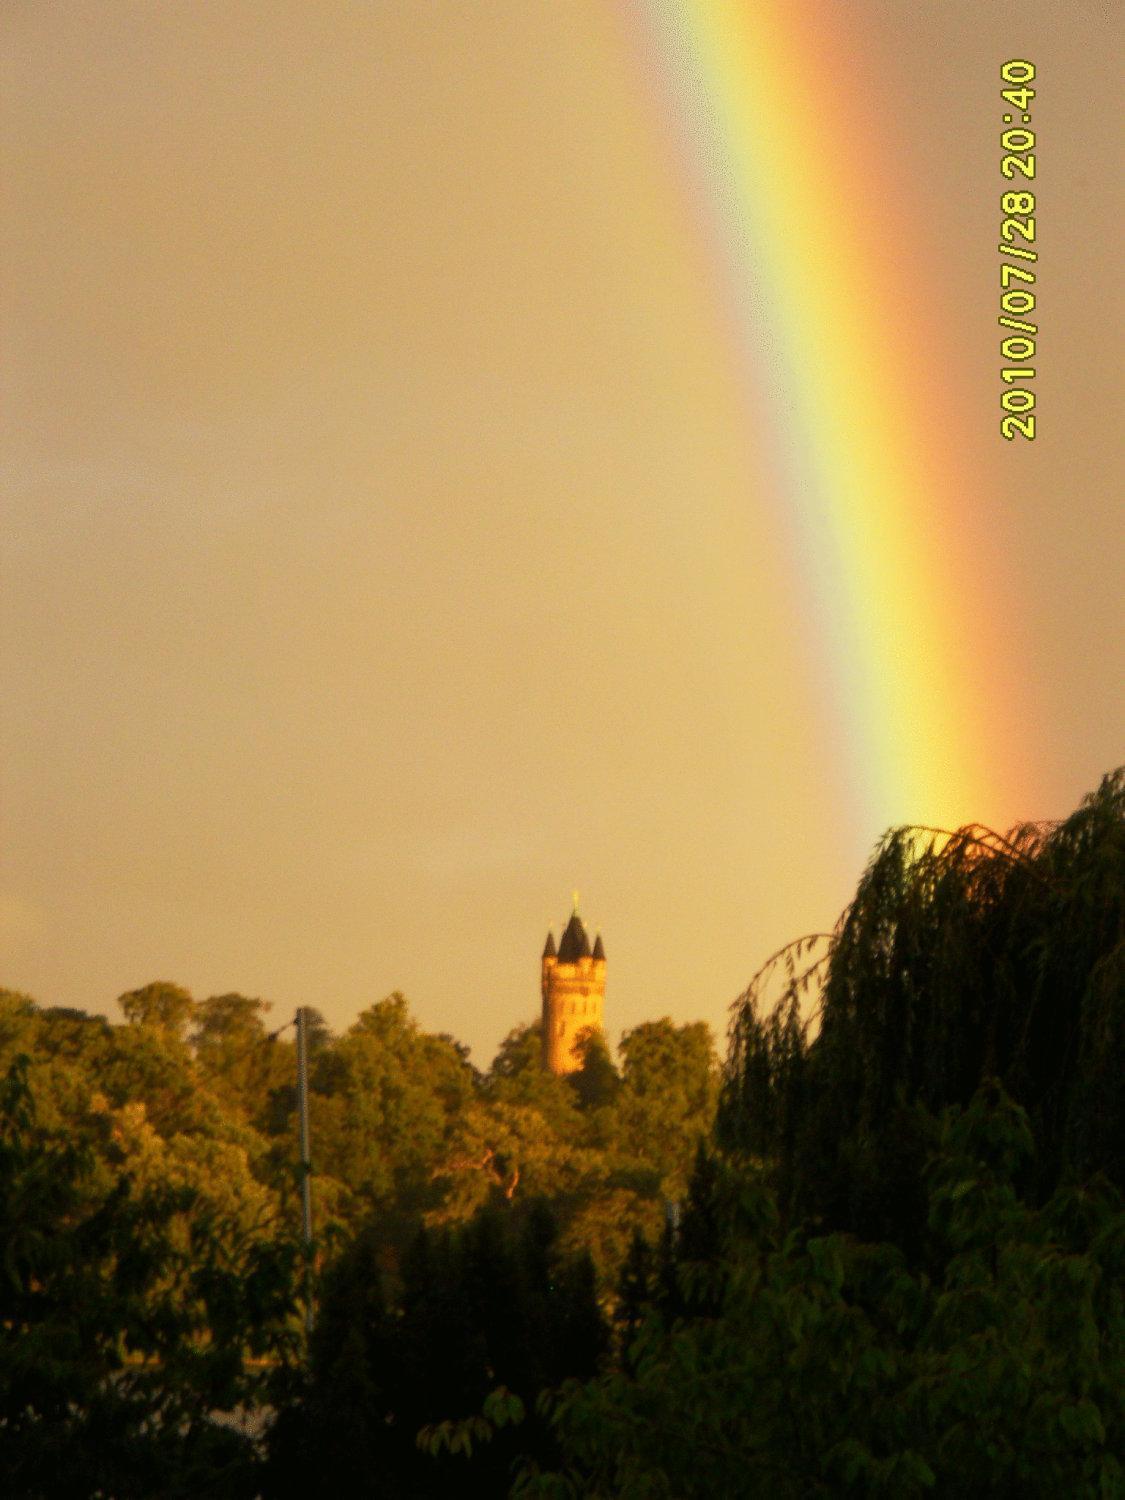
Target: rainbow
(834, 351)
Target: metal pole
(306, 1163)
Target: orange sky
(379, 557)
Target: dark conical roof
(599, 951)
(575, 944)
(549, 946)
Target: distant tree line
(152, 1273)
(880, 1252)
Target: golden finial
(574, 894)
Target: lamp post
(306, 1164)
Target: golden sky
(378, 558)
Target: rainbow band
(859, 450)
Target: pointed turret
(599, 951)
(575, 943)
(549, 949)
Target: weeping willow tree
(964, 956)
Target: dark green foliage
(517, 1077)
(959, 1118)
(819, 1365)
(492, 1303)
(636, 1291)
(181, 1131)
(666, 1103)
(119, 1337)
(959, 960)
(597, 1082)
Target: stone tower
(573, 992)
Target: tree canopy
(961, 958)
(879, 1251)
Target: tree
(384, 1101)
(161, 1005)
(596, 1082)
(491, 1303)
(517, 1077)
(240, 1062)
(223, 1020)
(666, 1102)
(504, 1151)
(152, 1066)
(827, 1366)
(119, 1335)
(636, 1291)
(962, 956)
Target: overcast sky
(380, 559)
